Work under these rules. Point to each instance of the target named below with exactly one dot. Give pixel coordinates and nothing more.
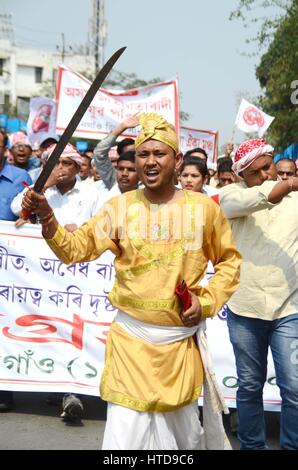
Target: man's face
(127, 177)
(21, 154)
(286, 169)
(260, 170)
(42, 118)
(155, 164)
(225, 178)
(85, 169)
(66, 170)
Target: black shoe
(234, 422)
(6, 400)
(72, 408)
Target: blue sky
(193, 40)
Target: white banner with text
(192, 138)
(110, 107)
(54, 321)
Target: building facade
(25, 73)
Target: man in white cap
(263, 312)
(21, 151)
(74, 204)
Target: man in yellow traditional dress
(160, 236)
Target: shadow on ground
(35, 403)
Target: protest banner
(110, 107)
(54, 321)
(192, 138)
(42, 119)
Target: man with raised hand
(263, 312)
(104, 165)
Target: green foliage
(278, 66)
(276, 72)
(265, 13)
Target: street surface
(35, 425)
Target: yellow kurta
(155, 247)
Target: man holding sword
(160, 236)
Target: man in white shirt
(101, 158)
(72, 200)
(127, 178)
(263, 312)
(74, 204)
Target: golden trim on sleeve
(206, 308)
(58, 237)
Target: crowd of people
(247, 228)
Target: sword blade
(75, 120)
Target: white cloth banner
(192, 138)
(54, 321)
(251, 119)
(109, 108)
(42, 119)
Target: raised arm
(281, 189)
(237, 200)
(101, 152)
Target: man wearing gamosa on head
(153, 371)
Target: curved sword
(73, 123)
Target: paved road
(35, 425)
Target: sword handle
(25, 214)
(184, 295)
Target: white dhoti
(133, 430)
(181, 429)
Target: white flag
(42, 119)
(252, 119)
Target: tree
(254, 13)
(278, 71)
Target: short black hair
(224, 164)
(127, 156)
(199, 163)
(287, 160)
(88, 158)
(123, 143)
(47, 142)
(197, 150)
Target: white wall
(20, 65)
